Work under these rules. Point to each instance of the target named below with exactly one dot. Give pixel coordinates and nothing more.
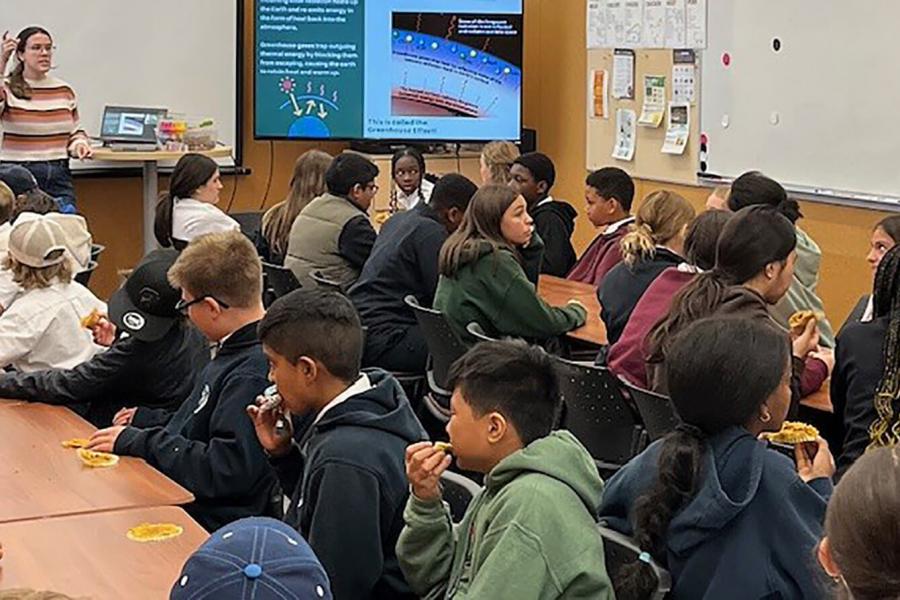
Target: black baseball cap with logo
(145, 304)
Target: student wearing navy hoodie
(345, 468)
(208, 444)
(532, 176)
(728, 517)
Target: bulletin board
(648, 162)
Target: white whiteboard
(820, 114)
(175, 54)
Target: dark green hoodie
(529, 534)
(491, 289)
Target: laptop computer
(130, 128)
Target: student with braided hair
(411, 184)
(865, 385)
(728, 517)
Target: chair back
(250, 223)
(458, 493)
(597, 413)
(280, 280)
(325, 283)
(620, 550)
(84, 277)
(656, 411)
(443, 345)
(476, 331)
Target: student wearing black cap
(152, 364)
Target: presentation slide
(388, 69)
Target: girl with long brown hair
(483, 268)
(307, 182)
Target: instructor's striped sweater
(45, 127)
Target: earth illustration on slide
(311, 109)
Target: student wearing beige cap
(42, 328)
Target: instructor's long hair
(885, 430)
(17, 84)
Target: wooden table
(150, 163)
(90, 556)
(39, 478)
(557, 291)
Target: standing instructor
(39, 115)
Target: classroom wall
(554, 96)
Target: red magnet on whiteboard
(704, 139)
(726, 59)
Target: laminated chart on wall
(679, 128)
(623, 74)
(654, 109)
(598, 94)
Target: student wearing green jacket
(531, 532)
(483, 273)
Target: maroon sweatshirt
(602, 255)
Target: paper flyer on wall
(626, 130)
(675, 26)
(615, 23)
(598, 94)
(633, 19)
(654, 109)
(695, 24)
(679, 128)
(596, 25)
(684, 75)
(654, 24)
(623, 74)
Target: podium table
(150, 163)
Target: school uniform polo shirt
(42, 328)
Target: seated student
(18, 178)
(864, 381)
(653, 244)
(188, 209)
(7, 199)
(609, 193)
(333, 234)
(42, 328)
(483, 277)
(307, 182)
(208, 444)
(345, 475)
(410, 184)
(496, 161)
(885, 236)
(628, 357)
(532, 176)
(404, 262)
(755, 188)
(728, 517)
(861, 547)
(258, 554)
(718, 198)
(531, 532)
(754, 267)
(154, 365)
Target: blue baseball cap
(256, 558)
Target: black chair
(325, 283)
(458, 492)
(443, 349)
(84, 277)
(478, 333)
(96, 251)
(250, 222)
(656, 411)
(620, 550)
(277, 281)
(597, 413)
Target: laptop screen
(130, 124)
